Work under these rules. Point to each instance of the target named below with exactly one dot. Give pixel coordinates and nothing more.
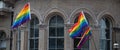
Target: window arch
(76, 40)
(33, 34)
(56, 33)
(105, 34)
(2, 40)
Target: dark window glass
(2, 40)
(31, 32)
(34, 34)
(60, 43)
(56, 33)
(52, 43)
(36, 43)
(59, 31)
(52, 31)
(53, 22)
(31, 43)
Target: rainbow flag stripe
(79, 27)
(23, 16)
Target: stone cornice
(42, 26)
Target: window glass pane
(36, 43)
(108, 45)
(36, 32)
(31, 49)
(60, 43)
(107, 23)
(31, 32)
(36, 49)
(105, 34)
(2, 40)
(102, 44)
(36, 21)
(31, 23)
(51, 49)
(60, 31)
(52, 31)
(3, 44)
(53, 21)
(60, 49)
(103, 25)
(56, 29)
(52, 43)
(60, 21)
(2, 35)
(31, 43)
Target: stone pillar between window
(42, 37)
(14, 42)
(24, 38)
(67, 40)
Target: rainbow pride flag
(79, 27)
(23, 16)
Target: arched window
(76, 40)
(34, 34)
(105, 34)
(2, 40)
(56, 33)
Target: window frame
(56, 27)
(110, 32)
(33, 27)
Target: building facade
(51, 20)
